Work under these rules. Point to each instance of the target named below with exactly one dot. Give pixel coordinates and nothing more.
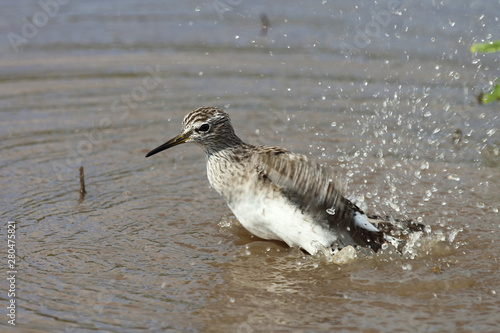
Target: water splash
(345, 256)
(331, 211)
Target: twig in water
(82, 186)
(265, 24)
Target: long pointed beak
(179, 139)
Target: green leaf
(488, 47)
(493, 95)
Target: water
(386, 95)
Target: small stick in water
(265, 24)
(82, 186)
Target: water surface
(377, 92)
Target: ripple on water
(144, 250)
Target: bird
(279, 195)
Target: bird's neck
(222, 147)
(226, 165)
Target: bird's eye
(204, 128)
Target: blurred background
(386, 92)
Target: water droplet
(406, 267)
(394, 206)
(385, 246)
(480, 205)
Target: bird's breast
(229, 178)
(279, 219)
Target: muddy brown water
(382, 92)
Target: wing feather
(296, 175)
(318, 190)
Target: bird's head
(208, 127)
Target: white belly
(277, 219)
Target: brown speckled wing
(299, 177)
(315, 189)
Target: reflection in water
(152, 247)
